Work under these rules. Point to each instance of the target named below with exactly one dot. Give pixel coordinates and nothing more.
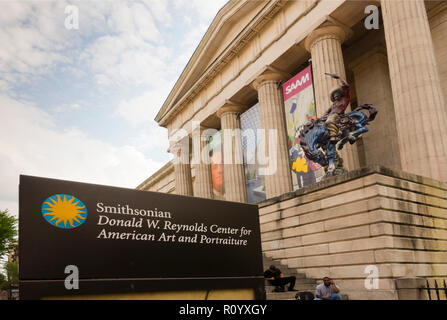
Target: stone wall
(161, 181)
(373, 216)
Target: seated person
(328, 290)
(276, 278)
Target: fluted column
(234, 176)
(182, 168)
(203, 187)
(324, 44)
(418, 100)
(271, 106)
(437, 17)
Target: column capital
(230, 107)
(200, 128)
(270, 73)
(174, 148)
(332, 31)
(176, 145)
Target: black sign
(137, 236)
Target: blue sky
(79, 104)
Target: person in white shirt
(328, 290)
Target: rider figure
(340, 97)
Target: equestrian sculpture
(320, 138)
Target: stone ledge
(355, 174)
(410, 283)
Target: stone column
(203, 187)
(372, 85)
(271, 106)
(421, 116)
(182, 168)
(437, 17)
(324, 44)
(234, 175)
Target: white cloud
(126, 60)
(140, 112)
(119, 47)
(132, 53)
(206, 9)
(32, 39)
(119, 44)
(13, 11)
(124, 46)
(160, 10)
(36, 146)
(135, 19)
(142, 109)
(67, 108)
(188, 20)
(194, 35)
(153, 138)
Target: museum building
(262, 65)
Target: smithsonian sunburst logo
(64, 211)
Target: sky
(81, 83)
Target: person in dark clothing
(276, 278)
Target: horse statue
(315, 138)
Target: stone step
(297, 282)
(297, 275)
(310, 288)
(286, 271)
(302, 282)
(288, 295)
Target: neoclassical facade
(252, 47)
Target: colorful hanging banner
(299, 103)
(217, 175)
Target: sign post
(122, 241)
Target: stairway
(302, 283)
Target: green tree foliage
(3, 282)
(11, 281)
(8, 231)
(12, 270)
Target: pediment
(235, 18)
